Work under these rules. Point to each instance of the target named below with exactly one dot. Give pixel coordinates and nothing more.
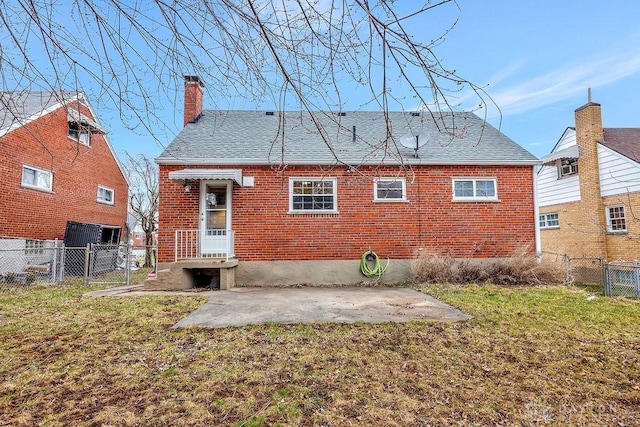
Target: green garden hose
(377, 270)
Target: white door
(215, 218)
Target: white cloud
(563, 83)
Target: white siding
(568, 139)
(551, 190)
(618, 174)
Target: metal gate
(109, 264)
(622, 279)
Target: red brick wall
(77, 172)
(192, 98)
(430, 220)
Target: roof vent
(415, 114)
(342, 114)
(269, 113)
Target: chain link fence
(578, 270)
(615, 279)
(585, 271)
(622, 279)
(26, 262)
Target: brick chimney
(192, 98)
(589, 132)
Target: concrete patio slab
(248, 306)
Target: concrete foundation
(189, 274)
(317, 273)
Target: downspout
(536, 212)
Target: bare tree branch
(307, 54)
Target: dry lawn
(531, 357)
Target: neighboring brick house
(56, 166)
(265, 190)
(589, 191)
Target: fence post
(567, 269)
(87, 254)
(54, 262)
(127, 263)
(636, 279)
(63, 260)
(607, 279)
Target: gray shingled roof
(16, 107)
(253, 137)
(625, 141)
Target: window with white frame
(389, 189)
(37, 178)
(80, 132)
(549, 220)
(475, 189)
(105, 195)
(616, 222)
(567, 167)
(315, 195)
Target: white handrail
(193, 244)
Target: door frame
(202, 221)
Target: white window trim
(474, 198)
(608, 211)
(37, 187)
(106, 202)
(313, 211)
(390, 200)
(546, 221)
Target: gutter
(334, 162)
(536, 213)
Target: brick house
(57, 166)
(589, 190)
(282, 203)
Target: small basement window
(389, 189)
(549, 220)
(33, 247)
(105, 195)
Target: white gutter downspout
(536, 212)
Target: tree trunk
(149, 260)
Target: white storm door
(215, 217)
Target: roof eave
(324, 162)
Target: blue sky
(537, 59)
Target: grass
(531, 356)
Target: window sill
(78, 142)
(44, 190)
(567, 176)
(313, 213)
(550, 228)
(475, 200)
(390, 201)
(102, 202)
(613, 233)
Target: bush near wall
(522, 268)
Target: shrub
(522, 268)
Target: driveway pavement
(247, 306)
